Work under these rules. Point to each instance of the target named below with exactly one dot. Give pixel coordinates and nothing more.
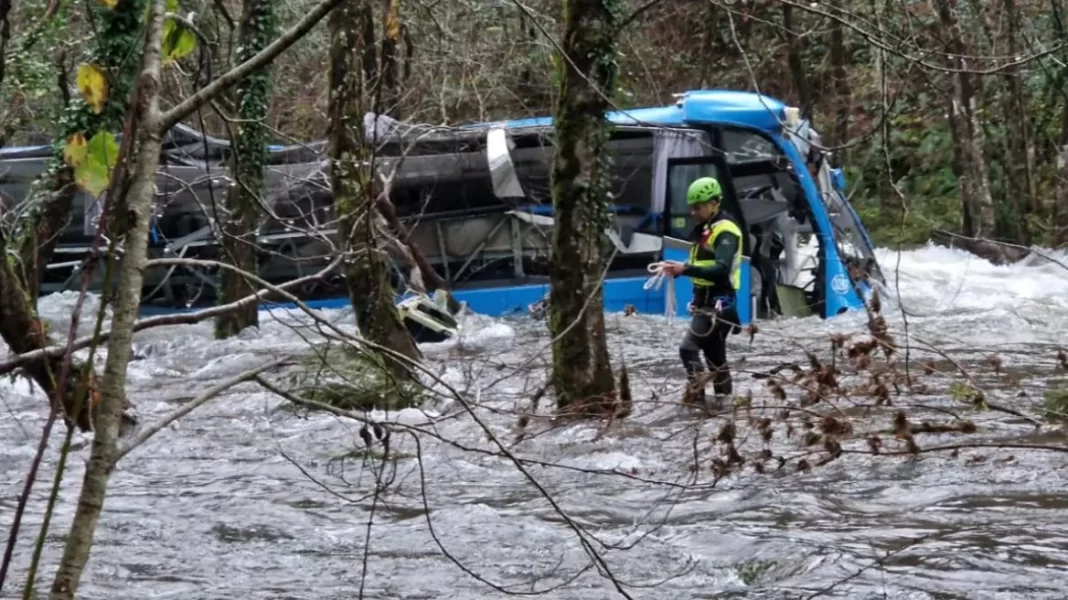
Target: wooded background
(878, 77)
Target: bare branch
(195, 403)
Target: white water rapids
(243, 500)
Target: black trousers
(708, 335)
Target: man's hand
(673, 268)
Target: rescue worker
(715, 269)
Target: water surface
(247, 499)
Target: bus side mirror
(838, 180)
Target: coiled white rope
(656, 282)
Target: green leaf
(94, 173)
(178, 41)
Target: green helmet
(703, 190)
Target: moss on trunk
(351, 178)
(582, 372)
(247, 163)
(354, 380)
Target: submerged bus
(806, 251)
(475, 200)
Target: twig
(195, 403)
(260, 60)
(994, 407)
(163, 320)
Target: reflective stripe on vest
(722, 226)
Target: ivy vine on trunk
(90, 119)
(247, 165)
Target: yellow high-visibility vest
(708, 239)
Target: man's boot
(722, 387)
(695, 391)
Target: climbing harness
(714, 315)
(657, 281)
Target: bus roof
(694, 107)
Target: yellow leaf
(93, 86)
(392, 23)
(75, 150)
(109, 3)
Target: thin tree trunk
(977, 205)
(1059, 210)
(793, 59)
(712, 46)
(430, 276)
(128, 301)
(5, 37)
(530, 86)
(842, 94)
(247, 164)
(367, 269)
(1020, 161)
(369, 57)
(1016, 146)
(390, 95)
(582, 372)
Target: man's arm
(726, 247)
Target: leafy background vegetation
(464, 61)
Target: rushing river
(247, 499)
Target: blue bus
(475, 201)
(806, 251)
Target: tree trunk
(369, 57)
(582, 373)
(531, 89)
(367, 268)
(1059, 209)
(977, 205)
(842, 99)
(712, 46)
(128, 301)
(116, 34)
(1020, 161)
(793, 59)
(24, 332)
(247, 164)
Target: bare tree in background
(977, 205)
